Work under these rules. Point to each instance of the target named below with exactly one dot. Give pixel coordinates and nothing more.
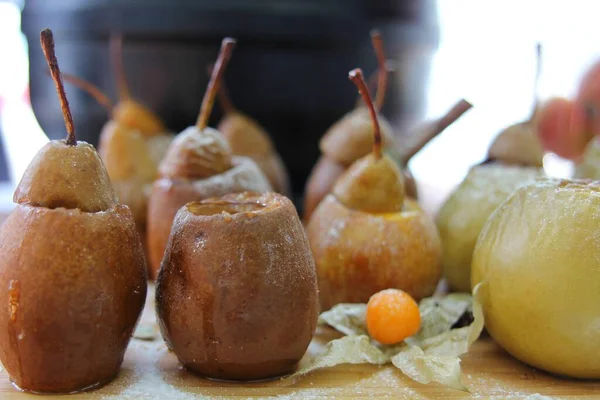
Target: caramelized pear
(199, 164)
(519, 144)
(72, 270)
(236, 295)
(367, 236)
(537, 260)
(352, 137)
(247, 138)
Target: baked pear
(199, 164)
(236, 295)
(351, 138)
(367, 235)
(72, 269)
(537, 260)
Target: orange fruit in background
(392, 316)
(563, 127)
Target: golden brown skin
(169, 195)
(135, 116)
(324, 175)
(236, 295)
(132, 158)
(372, 185)
(358, 254)
(80, 282)
(67, 176)
(249, 139)
(538, 258)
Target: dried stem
(223, 94)
(227, 46)
(90, 89)
(116, 55)
(357, 77)
(434, 128)
(377, 42)
(47, 41)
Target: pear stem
(536, 81)
(357, 77)
(90, 89)
(47, 41)
(223, 94)
(377, 42)
(227, 46)
(435, 128)
(116, 54)
(373, 78)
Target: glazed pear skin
(236, 295)
(465, 212)
(538, 258)
(169, 195)
(81, 286)
(358, 254)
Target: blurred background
(289, 70)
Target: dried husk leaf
(348, 319)
(430, 356)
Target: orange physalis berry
(392, 316)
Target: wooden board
(150, 371)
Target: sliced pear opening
(228, 207)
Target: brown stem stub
(377, 42)
(47, 41)
(435, 128)
(116, 55)
(227, 46)
(91, 89)
(357, 77)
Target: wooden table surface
(150, 371)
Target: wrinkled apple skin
(462, 216)
(359, 254)
(538, 256)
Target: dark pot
(289, 70)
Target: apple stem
(377, 42)
(47, 41)
(223, 95)
(357, 77)
(227, 46)
(433, 129)
(536, 81)
(90, 89)
(116, 54)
